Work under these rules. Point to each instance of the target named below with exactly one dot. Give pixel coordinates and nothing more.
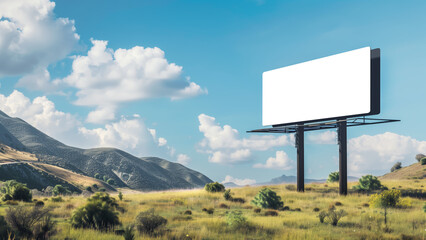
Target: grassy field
(362, 222)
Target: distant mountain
(126, 170)
(292, 179)
(231, 185)
(414, 171)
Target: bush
(423, 161)
(334, 215)
(30, 223)
(128, 233)
(60, 190)
(120, 196)
(424, 207)
(333, 177)
(223, 205)
(97, 176)
(214, 187)
(4, 229)
(39, 204)
(227, 195)
(187, 212)
(147, 222)
(338, 204)
(266, 198)
(386, 199)
(110, 181)
(57, 199)
(291, 187)
(316, 209)
(271, 213)
(420, 156)
(13, 190)
(105, 178)
(238, 200)
(322, 215)
(236, 220)
(369, 183)
(257, 210)
(98, 213)
(396, 166)
(210, 211)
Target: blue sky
(223, 47)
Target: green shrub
(424, 207)
(214, 187)
(98, 213)
(333, 177)
(210, 211)
(236, 220)
(4, 228)
(60, 190)
(316, 209)
(147, 222)
(111, 181)
(223, 205)
(187, 212)
(423, 161)
(13, 190)
(271, 213)
(257, 210)
(97, 176)
(128, 233)
(369, 183)
(227, 195)
(334, 215)
(30, 223)
(105, 178)
(420, 156)
(89, 188)
(396, 166)
(238, 200)
(291, 187)
(266, 198)
(57, 199)
(322, 215)
(120, 196)
(39, 204)
(386, 199)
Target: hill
(126, 170)
(292, 179)
(414, 171)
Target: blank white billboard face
(329, 87)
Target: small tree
(227, 195)
(97, 176)
(120, 196)
(13, 190)
(420, 156)
(423, 161)
(148, 221)
(214, 187)
(334, 215)
(333, 177)
(105, 178)
(369, 183)
(60, 190)
(386, 199)
(266, 198)
(396, 166)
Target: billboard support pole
(343, 157)
(300, 145)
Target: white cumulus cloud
(106, 78)
(226, 146)
(241, 182)
(280, 161)
(327, 137)
(31, 38)
(377, 154)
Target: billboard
(341, 85)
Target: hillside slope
(126, 169)
(414, 171)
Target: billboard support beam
(343, 157)
(300, 145)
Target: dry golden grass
(8, 154)
(362, 222)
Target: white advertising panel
(329, 87)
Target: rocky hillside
(126, 170)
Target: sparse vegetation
(266, 198)
(334, 215)
(386, 199)
(214, 187)
(60, 190)
(396, 166)
(333, 177)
